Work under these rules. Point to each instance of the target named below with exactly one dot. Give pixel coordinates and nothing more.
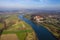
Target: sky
(42, 4)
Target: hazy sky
(55, 4)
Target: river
(41, 32)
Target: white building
(38, 19)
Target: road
(41, 32)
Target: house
(38, 19)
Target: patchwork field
(9, 37)
(14, 28)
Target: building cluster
(37, 18)
(47, 19)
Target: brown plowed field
(9, 37)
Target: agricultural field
(14, 28)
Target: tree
(1, 31)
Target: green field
(16, 26)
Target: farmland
(14, 28)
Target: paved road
(41, 32)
